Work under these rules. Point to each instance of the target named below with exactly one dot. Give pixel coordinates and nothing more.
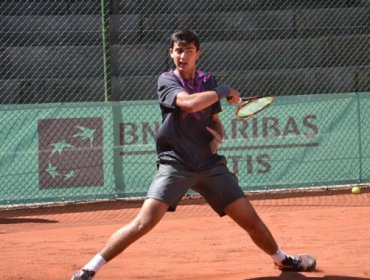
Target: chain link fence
(72, 68)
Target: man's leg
(243, 213)
(150, 214)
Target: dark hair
(185, 37)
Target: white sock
(278, 257)
(95, 263)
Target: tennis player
(187, 146)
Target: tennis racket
(248, 107)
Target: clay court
(192, 243)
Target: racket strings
(253, 106)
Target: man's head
(185, 52)
(185, 37)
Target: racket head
(249, 107)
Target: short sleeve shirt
(183, 136)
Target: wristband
(222, 91)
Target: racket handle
(230, 97)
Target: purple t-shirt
(183, 136)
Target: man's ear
(199, 53)
(170, 52)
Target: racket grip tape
(230, 97)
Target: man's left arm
(217, 131)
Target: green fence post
(359, 135)
(105, 41)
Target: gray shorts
(218, 186)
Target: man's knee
(150, 214)
(242, 212)
(144, 223)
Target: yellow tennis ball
(356, 190)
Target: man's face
(184, 56)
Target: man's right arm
(171, 93)
(198, 101)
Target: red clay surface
(192, 243)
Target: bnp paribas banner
(81, 151)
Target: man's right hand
(233, 97)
